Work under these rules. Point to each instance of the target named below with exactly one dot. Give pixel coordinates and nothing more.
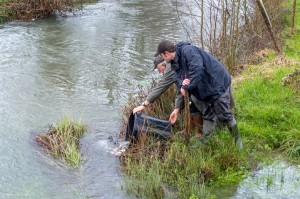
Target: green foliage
(292, 46)
(145, 182)
(62, 141)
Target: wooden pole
(293, 15)
(268, 23)
(187, 118)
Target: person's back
(209, 78)
(207, 81)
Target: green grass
(62, 141)
(267, 109)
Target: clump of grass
(292, 80)
(187, 169)
(62, 141)
(147, 183)
(141, 164)
(291, 144)
(35, 9)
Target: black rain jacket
(208, 77)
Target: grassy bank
(62, 141)
(268, 111)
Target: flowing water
(86, 66)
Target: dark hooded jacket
(208, 77)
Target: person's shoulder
(168, 69)
(191, 49)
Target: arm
(195, 67)
(178, 105)
(179, 100)
(178, 80)
(166, 81)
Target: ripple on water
(278, 180)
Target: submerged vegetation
(62, 141)
(35, 9)
(267, 109)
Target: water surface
(85, 66)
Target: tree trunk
(268, 24)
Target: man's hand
(174, 115)
(138, 109)
(182, 91)
(141, 108)
(186, 82)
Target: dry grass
(36, 9)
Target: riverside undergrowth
(27, 10)
(267, 110)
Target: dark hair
(165, 45)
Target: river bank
(267, 109)
(26, 10)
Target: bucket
(152, 126)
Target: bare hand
(186, 82)
(173, 116)
(182, 91)
(138, 109)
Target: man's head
(166, 49)
(159, 64)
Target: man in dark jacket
(167, 81)
(207, 81)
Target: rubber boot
(201, 106)
(233, 129)
(196, 124)
(208, 130)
